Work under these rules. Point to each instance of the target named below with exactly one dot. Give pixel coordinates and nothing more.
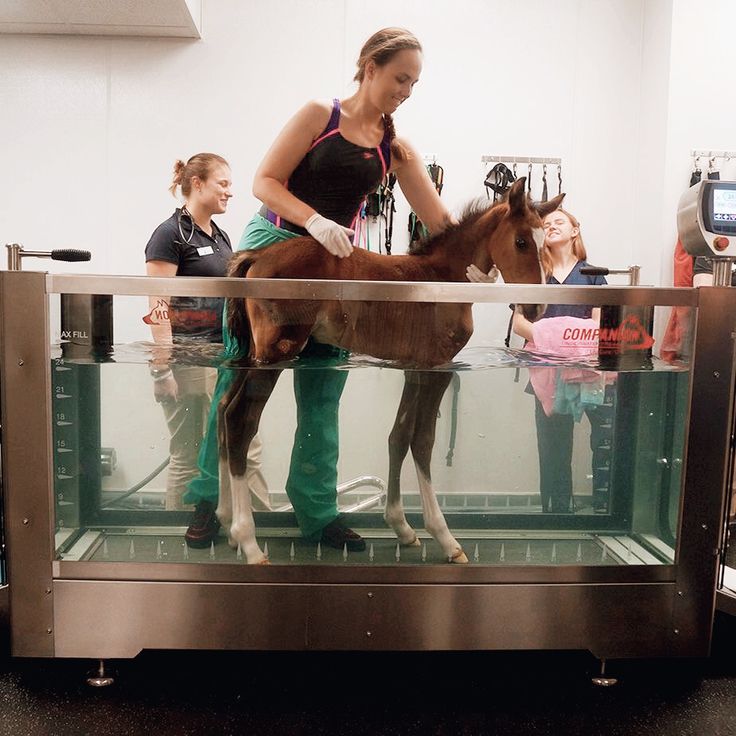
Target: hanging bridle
(498, 180)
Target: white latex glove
(477, 276)
(334, 237)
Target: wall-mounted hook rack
(521, 159)
(710, 154)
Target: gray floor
(170, 693)
(335, 694)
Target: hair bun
(199, 165)
(178, 178)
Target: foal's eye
(521, 242)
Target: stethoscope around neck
(184, 212)
(181, 214)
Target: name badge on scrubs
(205, 250)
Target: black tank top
(335, 175)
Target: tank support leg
(100, 679)
(602, 680)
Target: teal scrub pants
(312, 482)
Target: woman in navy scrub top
(563, 255)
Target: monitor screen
(724, 205)
(718, 215)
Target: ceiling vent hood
(169, 18)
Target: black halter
(697, 174)
(498, 180)
(545, 195)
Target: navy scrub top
(574, 278)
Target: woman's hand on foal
(333, 236)
(165, 388)
(477, 276)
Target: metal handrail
(366, 504)
(388, 291)
(350, 485)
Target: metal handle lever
(631, 271)
(16, 253)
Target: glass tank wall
(541, 457)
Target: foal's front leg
(239, 416)
(431, 388)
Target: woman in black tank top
(329, 157)
(313, 179)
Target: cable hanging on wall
(436, 173)
(381, 204)
(504, 173)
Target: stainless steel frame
(726, 602)
(26, 460)
(4, 620)
(114, 610)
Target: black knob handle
(70, 254)
(594, 271)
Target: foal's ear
(544, 208)
(517, 196)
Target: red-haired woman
(563, 255)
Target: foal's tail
(236, 315)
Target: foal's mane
(468, 218)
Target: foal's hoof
(264, 561)
(414, 542)
(459, 557)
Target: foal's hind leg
(398, 446)
(239, 415)
(224, 511)
(432, 385)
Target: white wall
(91, 127)
(701, 110)
(646, 162)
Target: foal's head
(511, 235)
(514, 239)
